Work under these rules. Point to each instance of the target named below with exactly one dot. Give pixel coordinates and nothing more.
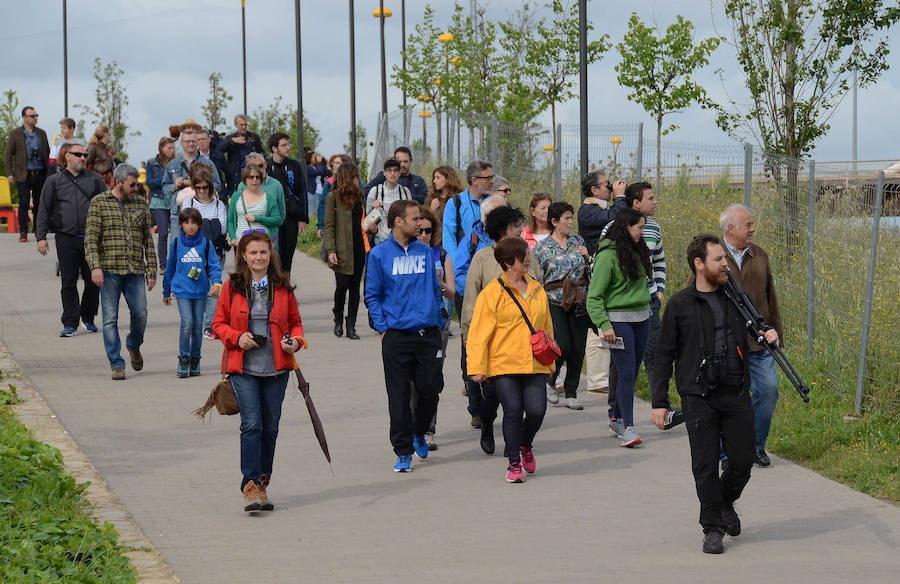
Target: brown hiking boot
(264, 503)
(137, 360)
(118, 373)
(251, 497)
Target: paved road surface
(594, 511)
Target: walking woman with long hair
(444, 184)
(499, 348)
(160, 203)
(618, 302)
(100, 155)
(258, 321)
(345, 244)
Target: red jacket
(232, 320)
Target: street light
(615, 141)
(548, 153)
(445, 39)
(244, 49)
(381, 13)
(424, 114)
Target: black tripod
(755, 323)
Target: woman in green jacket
(618, 302)
(345, 244)
(253, 208)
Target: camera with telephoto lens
(715, 369)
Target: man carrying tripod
(704, 335)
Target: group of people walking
(532, 296)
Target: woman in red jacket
(258, 322)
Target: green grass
(47, 533)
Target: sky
(168, 48)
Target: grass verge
(47, 533)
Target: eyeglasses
(506, 190)
(257, 230)
(426, 230)
(78, 154)
(31, 115)
(491, 177)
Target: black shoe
(674, 418)
(712, 541)
(731, 520)
(724, 465)
(487, 438)
(351, 329)
(476, 422)
(338, 323)
(762, 459)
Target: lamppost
(299, 83)
(615, 141)
(424, 114)
(352, 87)
(244, 49)
(403, 66)
(381, 13)
(65, 60)
(583, 82)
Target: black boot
(351, 329)
(487, 437)
(195, 367)
(338, 319)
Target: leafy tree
(277, 117)
(658, 70)
(550, 62)
(217, 103)
(10, 119)
(111, 103)
(362, 152)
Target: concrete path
(594, 511)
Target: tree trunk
(791, 148)
(437, 118)
(658, 184)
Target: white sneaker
(630, 437)
(552, 396)
(573, 403)
(616, 427)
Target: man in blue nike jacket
(404, 299)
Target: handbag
(222, 397)
(544, 348)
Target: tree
(551, 57)
(797, 57)
(9, 120)
(276, 117)
(658, 70)
(217, 103)
(111, 103)
(362, 152)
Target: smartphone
(618, 345)
(260, 340)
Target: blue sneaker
(420, 446)
(67, 332)
(404, 463)
(91, 327)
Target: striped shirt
(653, 239)
(117, 236)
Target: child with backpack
(193, 272)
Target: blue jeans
(191, 310)
(763, 394)
(132, 287)
(628, 363)
(260, 401)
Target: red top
(232, 319)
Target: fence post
(748, 174)
(870, 285)
(639, 155)
(495, 135)
(557, 166)
(811, 262)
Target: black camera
(260, 340)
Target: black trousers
(72, 263)
(524, 399)
(473, 391)
(287, 242)
(30, 194)
(411, 357)
(346, 285)
(726, 415)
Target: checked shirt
(118, 236)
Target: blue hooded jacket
(190, 253)
(402, 289)
(462, 257)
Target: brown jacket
(15, 150)
(755, 277)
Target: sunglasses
(254, 177)
(426, 230)
(257, 230)
(32, 116)
(78, 154)
(201, 188)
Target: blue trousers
(132, 287)
(191, 337)
(763, 394)
(260, 400)
(628, 363)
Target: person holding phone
(618, 302)
(257, 308)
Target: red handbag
(544, 348)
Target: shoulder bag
(544, 348)
(222, 397)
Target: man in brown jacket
(27, 161)
(750, 267)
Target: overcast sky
(168, 48)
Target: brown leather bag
(222, 397)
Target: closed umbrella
(303, 386)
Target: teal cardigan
(273, 218)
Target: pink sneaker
(528, 463)
(514, 473)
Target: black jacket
(67, 198)
(593, 218)
(292, 177)
(222, 169)
(232, 151)
(415, 183)
(686, 330)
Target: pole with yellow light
(244, 50)
(381, 13)
(615, 141)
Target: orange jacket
(232, 319)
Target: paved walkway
(593, 512)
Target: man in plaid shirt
(119, 250)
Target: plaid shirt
(118, 236)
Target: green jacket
(271, 220)
(611, 291)
(338, 234)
